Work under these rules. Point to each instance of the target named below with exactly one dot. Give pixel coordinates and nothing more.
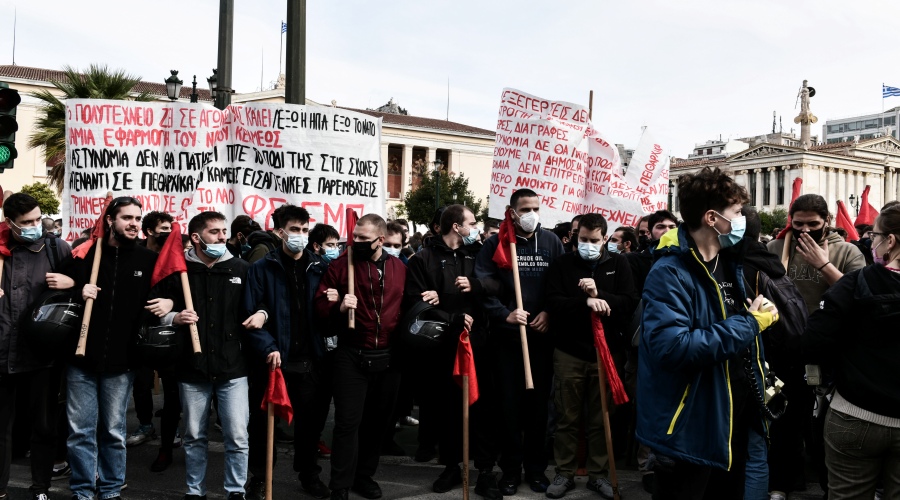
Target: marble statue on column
(805, 118)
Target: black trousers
(143, 395)
(42, 388)
(523, 432)
(363, 406)
(171, 411)
(310, 395)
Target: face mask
(29, 234)
(296, 242)
(815, 235)
(472, 237)
(644, 241)
(362, 250)
(331, 254)
(212, 250)
(161, 238)
(588, 251)
(866, 242)
(738, 226)
(529, 221)
(612, 247)
(394, 252)
(876, 258)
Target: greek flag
(889, 91)
(284, 30)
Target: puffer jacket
(685, 398)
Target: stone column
(406, 169)
(773, 186)
(759, 188)
(432, 154)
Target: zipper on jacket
(112, 301)
(680, 408)
(727, 371)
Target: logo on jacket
(235, 281)
(138, 274)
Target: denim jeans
(756, 482)
(96, 406)
(857, 454)
(234, 411)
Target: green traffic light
(5, 154)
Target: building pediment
(886, 144)
(764, 149)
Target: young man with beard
(28, 271)
(443, 275)
(523, 412)
(99, 382)
(365, 381)
(287, 335)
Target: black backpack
(785, 335)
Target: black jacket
(218, 294)
(124, 281)
(436, 268)
(855, 334)
(640, 263)
(570, 316)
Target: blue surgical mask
(296, 242)
(738, 226)
(245, 249)
(394, 252)
(472, 237)
(213, 250)
(29, 234)
(331, 254)
(612, 247)
(588, 251)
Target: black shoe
(340, 494)
(509, 484)
(283, 437)
(649, 481)
(537, 481)
(425, 454)
(366, 487)
(449, 479)
(162, 462)
(315, 487)
(196, 497)
(256, 489)
(392, 449)
(486, 486)
(235, 495)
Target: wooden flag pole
(351, 287)
(591, 106)
(465, 430)
(609, 444)
(189, 303)
(270, 449)
(89, 303)
(523, 333)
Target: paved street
(399, 477)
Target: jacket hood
(833, 238)
(759, 257)
(671, 243)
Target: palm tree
(98, 82)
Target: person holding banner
(99, 382)
(590, 281)
(523, 412)
(287, 334)
(216, 282)
(29, 263)
(443, 275)
(700, 361)
(365, 380)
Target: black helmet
(422, 327)
(156, 345)
(54, 321)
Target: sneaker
(60, 471)
(777, 495)
(486, 486)
(408, 421)
(256, 489)
(324, 450)
(162, 462)
(124, 486)
(177, 442)
(537, 481)
(366, 487)
(315, 487)
(509, 484)
(561, 484)
(40, 496)
(143, 434)
(449, 479)
(602, 487)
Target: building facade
(862, 127)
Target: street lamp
(212, 81)
(854, 202)
(173, 85)
(437, 183)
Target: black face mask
(815, 235)
(362, 250)
(643, 241)
(161, 238)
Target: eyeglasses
(874, 234)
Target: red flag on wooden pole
(507, 235)
(795, 193)
(843, 221)
(867, 212)
(464, 366)
(277, 395)
(171, 257)
(615, 384)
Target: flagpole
(270, 448)
(882, 108)
(465, 429)
(89, 303)
(281, 50)
(609, 444)
(523, 333)
(351, 286)
(189, 303)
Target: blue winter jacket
(684, 395)
(267, 289)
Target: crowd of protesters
(712, 327)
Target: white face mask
(529, 222)
(393, 252)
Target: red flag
(171, 257)
(98, 234)
(5, 235)
(277, 394)
(843, 221)
(867, 212)
(794, 195)
(507, 235)
(465, 365)
(350, 218)
(615, 384)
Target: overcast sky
(690, 70)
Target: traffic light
(9, 99)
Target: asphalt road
(399, 477)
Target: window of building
(872, 123)
(395, 171)
(766, 191)
(833, 129)
(890, 120)
(780, 191)
(751, 182)
(851, 126)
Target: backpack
(785, 335)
